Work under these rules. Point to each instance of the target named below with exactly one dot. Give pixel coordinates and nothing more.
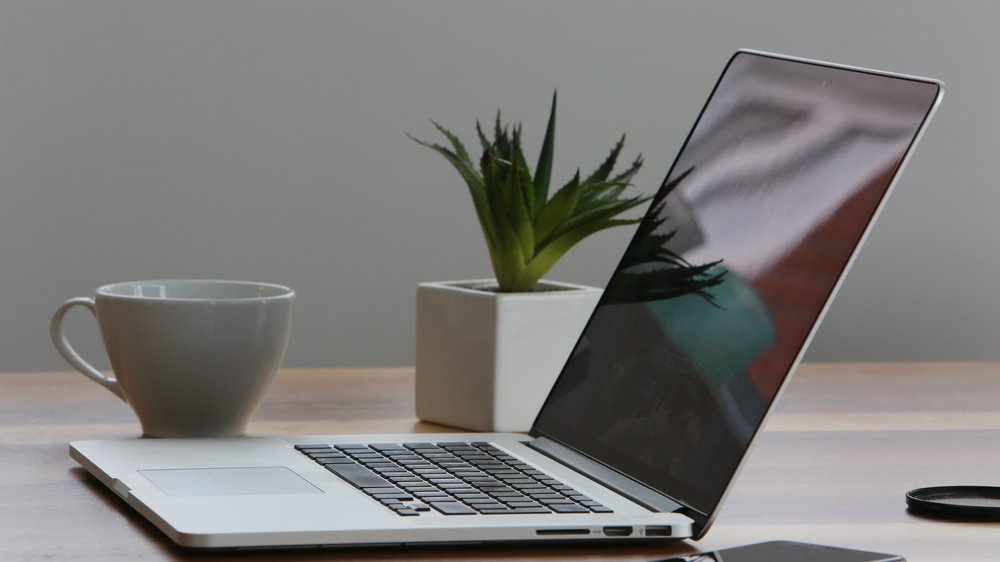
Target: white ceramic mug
(193, 358)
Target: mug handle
(70, 354)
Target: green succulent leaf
(525, 183)
(596, 191)
(543, 171)
(558, 209)
(627, 175)
(604, 170)
(455, 143)
(516, 210)
(602, 212)
(483, 141)
(493, 196)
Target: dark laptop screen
(730, 270)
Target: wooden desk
(844, 445)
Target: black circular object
(969, 503)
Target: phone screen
(787, 551)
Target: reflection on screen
(730, 269)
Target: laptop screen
(730, 270)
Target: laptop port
(562, 531)
(658, 531)
(617, 531)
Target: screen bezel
(703, 520)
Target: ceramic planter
(487, 360)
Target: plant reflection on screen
(651, 272)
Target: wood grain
(845, 444)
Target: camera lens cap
(967, 503)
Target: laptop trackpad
(234, 481)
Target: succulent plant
(527, 231)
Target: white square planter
(485, 360)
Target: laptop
(706, 315)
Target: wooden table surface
(847, 441)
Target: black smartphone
(787, 551)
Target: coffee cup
(192, 358)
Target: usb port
(658, 531)
(617, 531)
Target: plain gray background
(265, 141)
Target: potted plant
(488, 351)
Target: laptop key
(508, 499)
(523, 504)
(431, 495)
(404, 497)
(413, 489)
(325, 454)
(406, 512)
(474, 457)
(516, 479)
(367, 458)
(491, 505)
(565, 501)
(538, 509)
(494, 510)
(527, 487)
(485, 481)
(446, 481)
(359, 476)
(451, 507)
(382, 490)
(470, 496)
(481, 501)
(305, 446)
(566, 508)
(344, 460)
(545, 496)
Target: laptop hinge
(639, 493)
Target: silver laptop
(705, 317)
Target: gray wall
(238, 139)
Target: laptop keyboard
(450, 478)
